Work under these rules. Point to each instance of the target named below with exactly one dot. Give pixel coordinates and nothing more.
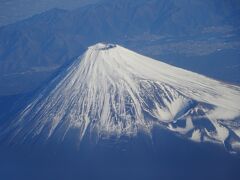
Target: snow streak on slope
(113, 91)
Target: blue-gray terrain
(200, 36)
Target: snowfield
(112, 91)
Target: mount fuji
(111, 91)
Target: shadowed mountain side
(164, 156)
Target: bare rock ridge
(112, 91)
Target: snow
(236, 146)
(196, 136)
(115, 91)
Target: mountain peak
(102, 46)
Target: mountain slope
(112, 91)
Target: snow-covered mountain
(112, 91)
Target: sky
(14, 10)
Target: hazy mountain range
(198, 35)
(16, 10)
